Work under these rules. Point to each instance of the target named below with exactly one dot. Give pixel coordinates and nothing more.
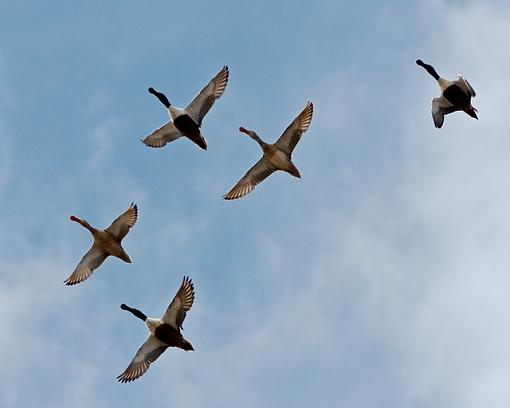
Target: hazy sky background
(380, 279)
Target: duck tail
(471, 111)
(186, 345)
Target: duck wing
(290, 138)
(258, 173)
(181, 303)
(123, 223)
(467, 86)
(88, 264)
(204, 101)
(441, 107)
(161, 136)
(144, 357)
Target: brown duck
(164, 332)
(276, 156)
(106, 242)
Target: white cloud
(432, 260)
(103, 142)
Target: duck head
(250, 133)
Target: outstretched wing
(161, 136)
(199, 107)
(147, 354)
(290, 138)
(121, 226)
(262, 169)
(441, 107)
(88, 264)
(182, 302)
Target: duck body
(455, 96)
(168, 334)
(280, 160)
(105, 241)
(190, 129)
(456, 93)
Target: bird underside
(456, 96)
(189, 128)
(168, 335)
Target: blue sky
(378, 279)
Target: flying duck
(106, 242)
(455, 96)
(276, 156)
(164, 332)
(187, 121)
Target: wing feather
(258, 173)
(123, 223)
(144, 357)
(88, 264)
(181, 303)
(441, 107)
(163, 135)
(468, 86)
(204, 101)
(291, 136)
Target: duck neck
(161, 96)
(84, 224)
(256, 137)
(134, 311)
(429, 68)
(88, 226)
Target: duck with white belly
(163, 333)
(455, 96)
(187, 122)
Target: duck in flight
(163, 333)
(455, 96)
(106, 242)
(276, 156)
(187, 122)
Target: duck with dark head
(163, 333)
(455, 96)
(187, 121)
